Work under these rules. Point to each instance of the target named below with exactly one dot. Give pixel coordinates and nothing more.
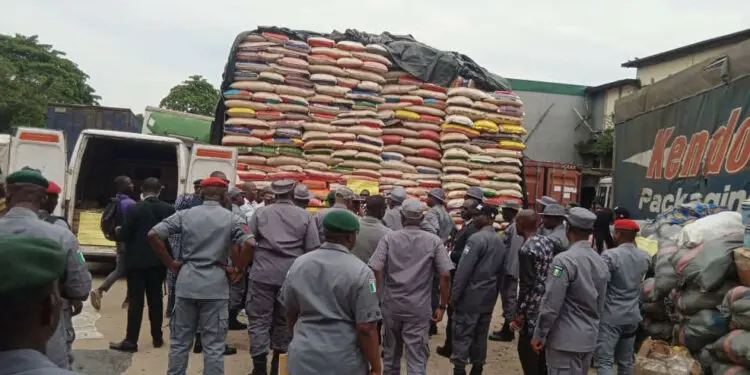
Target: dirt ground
(96, 330)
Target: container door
(564, 184)
(534, 176)
(205, 159)
(41, 149)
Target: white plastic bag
(709, 228)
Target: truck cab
(604, 191)
(100, 156)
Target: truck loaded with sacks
(685, 139)
(372, 111)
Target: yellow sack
(486, 126)
(240, 111)
(512, 129)
(407, 115)
(512, 145)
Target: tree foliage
(194, 95)
(604, 144)
(33, 75)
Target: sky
(136, 50)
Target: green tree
(194, 95)
(33, 75)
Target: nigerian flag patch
(373, 288)
(557, 271)
(80, 257)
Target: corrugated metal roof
(689, 49)
(547, 87)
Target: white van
(99, 156)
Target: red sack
(431, 119)
(429, 184)
(390, 139)
(431, 135)
(429, 153)
(321, 176)
(315, 184)
(286, 176)
(433, 87)
(251, 175)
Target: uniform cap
(346, 193)
(627, 224)
(581, 218)
(554, 210)
(214, 182)
(53, 188)
(511, 205)
(622, 213)
(546, 201)
(412, 208)
(27, 176)
(234, 192)
(197, 182)
(35, 262)
(301, 192)
(282, 186)
(486, 209)
(398, 194)
(475, 192)
(341, 221)
(438, 194)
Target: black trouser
(601, 238)
(531, 362)
(145, 282)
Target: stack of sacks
(413, 111)
(267, 107)
(492, 160)
(732, 351)
(348, 78)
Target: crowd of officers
(328, 289)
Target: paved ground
(95, 330)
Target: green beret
(27, 176)
(33, 262)
(331, 195)
(341, 221)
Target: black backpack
(111, 219)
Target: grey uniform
(332, 291)
(621, 315)
(408, 259)
(201, 289)
(283, 232)
(569, 313)
(475, 289)
(509, 284)
(371, 230)
(392, 218)
(322, 214)
(438, 222)
(237, 290)
(558, 237)
(77, 280)
(29, 362)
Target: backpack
(111, 219)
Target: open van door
(42, 149)
(205, 159)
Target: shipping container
(556, 180)
(685, 139)
(72, 119)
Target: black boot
(433, 329)
(260, 365)
(476, 370)
(198, 346)
(444, 351)
(234, 324)
(275, 362)
(229, 350)
(459, 370)
(505, 335)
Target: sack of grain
(732, 348)
(736, 307)
(709, 264)
(701, 329)
(691, 300)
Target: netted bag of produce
(658, 329)
(736, 307)
(733, 348)
(709, 264)
(691, 300)
(701, 329)
(666, 277)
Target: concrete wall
(610, 97)
(657, 72)
(556, 135)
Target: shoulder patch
(80, 257)
(466, 250)
(557, 271)
(372, 285)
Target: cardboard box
(656, 357)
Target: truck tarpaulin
(696, 149)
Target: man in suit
(145, 270)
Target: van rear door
(42, 149)
(205, 159)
